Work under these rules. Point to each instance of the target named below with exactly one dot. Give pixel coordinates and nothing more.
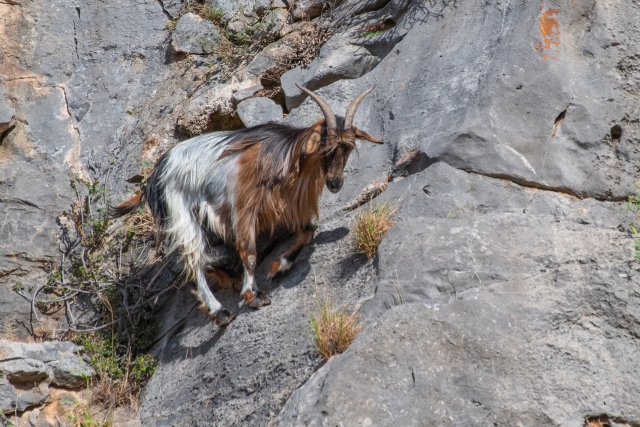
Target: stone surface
(195, 35)
(47, 351)
(73, 73)
(309, 9)
(255, 111)
(275, 20)
(172, 7)
(20, 398)
(511, 229)
(243, 94)
(25, 371)
(483, 286)
(57, 362)
(237, 8)
(7, 396)
(6, 112)
(338, 59)
(70, 372)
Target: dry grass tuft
(370, 227)
(333, 329)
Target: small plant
(212, 14)
(371, 30)
(633, 205)
(371, 34)
(119, 378)
(333, 329)
(170, 26)
(370, 227)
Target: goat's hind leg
(286, 260)
(210, 304)
(253, 296)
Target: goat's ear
(312, 144)
(367, 136)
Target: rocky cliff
(508, 291)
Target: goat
(234, 185)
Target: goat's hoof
(251, 298)
(264, 298)
(223, 317)
(256, 300)
(256, 303)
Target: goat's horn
(329, 117)
(353, 107)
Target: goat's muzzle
(335, 184)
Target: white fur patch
(284, 265)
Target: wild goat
(234, 185)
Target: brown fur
(248, 296)
(291, 203)
(129, 206)
(223, 278)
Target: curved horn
(329, 117)
(353, 107)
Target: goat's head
(339, 142)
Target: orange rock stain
(549, 47)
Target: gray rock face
(255, 111)
(195, 35)
(74, 76)
(505, 294)
(338, 59)
(489, 285)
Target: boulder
(309, 9)
(22, 371)
(54, 362)
(243, 94)
(255, 111)
(47, 351)
(236, 8)
(14, 399)
(8, 395)
(70, 372)
(195, 35)
(275, 20)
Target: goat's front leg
(253, 296)
(304, 236)
(210, 304)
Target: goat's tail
(127, 207)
